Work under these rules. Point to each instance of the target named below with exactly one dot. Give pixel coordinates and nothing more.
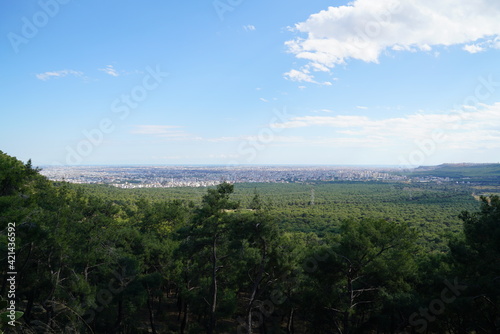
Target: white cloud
(322, 110)
(169, 157)
(263, 99)
(493, 43)
(162, 131)
(109, 69)
(472, 127)
(366, 28)
(249, 27)
(223, 156)
(303, 76)
(295, 75)
(58, 74)
(318, 67)
(332, 121)
(473, 48)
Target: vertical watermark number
(11, 274)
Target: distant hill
(475, 172)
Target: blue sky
(389, 82)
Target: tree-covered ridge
(228, 263)
(477, 172)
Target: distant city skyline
(191, 176)
(354, 83)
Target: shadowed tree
(370, 259)
(477, 257)
(207, 239)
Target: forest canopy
(362, 258)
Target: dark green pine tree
(207, 239)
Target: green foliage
(369, 266)
(431, 208)
(363, 257)
(476, 258)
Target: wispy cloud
(162, 131)
(303, 75)
(481, 46)
(109, 69)
(300, 76)
(58, 74)
(322, 110)
(249, 27)
(471, 127)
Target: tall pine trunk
(185, 318)
(151, 313)
(255, 289)
(213, 320)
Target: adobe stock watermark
(248, 150)
(436, 306)
(223, 6)
(30, 27)
(120, 108)
(428, 146)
